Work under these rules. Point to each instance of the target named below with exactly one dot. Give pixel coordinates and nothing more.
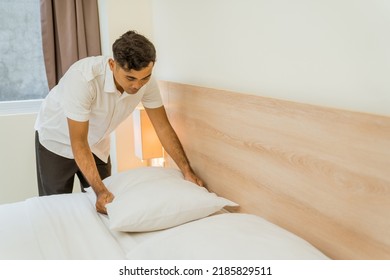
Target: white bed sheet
(55, 227)
(68, 227)
(126, 240)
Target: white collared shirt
(87, 92)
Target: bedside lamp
(147, 145)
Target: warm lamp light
(147, 144)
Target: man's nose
(137, 84)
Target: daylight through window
(22, 69)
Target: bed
(156, 214)
(285, 181)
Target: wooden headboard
(321, 173)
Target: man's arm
(78, 132)
(171, 143)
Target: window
(22, 69)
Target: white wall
(119, 16)
(17, 168)
(328, 52)
(17, 149)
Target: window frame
(16, 107)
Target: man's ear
(111, 62)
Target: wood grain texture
(321, 173)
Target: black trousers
(56, 174)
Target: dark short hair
(133, 51)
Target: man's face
(130, 81)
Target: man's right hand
(102, 199)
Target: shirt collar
(109, 84)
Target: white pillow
(153, 198)
(119, 182)
(230, 236)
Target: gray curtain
(70, 31)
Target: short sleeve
(152, 97)
(76, 95)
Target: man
(93, 97)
